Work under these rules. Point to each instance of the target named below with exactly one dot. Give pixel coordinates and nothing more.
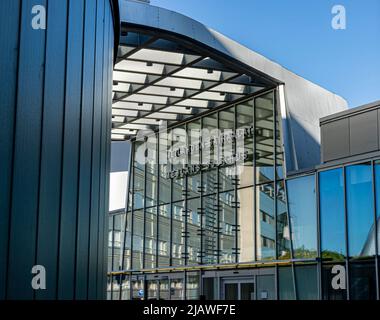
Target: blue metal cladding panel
(84, 195)
(26, 163)
(95, 179)
(103, 161)
(9, 39)
(51, 149)
(69, 201)
(55, 120)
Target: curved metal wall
(55, 103)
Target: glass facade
(222, 201)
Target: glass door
(242, 289)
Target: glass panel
(176, 289)
(125, 287)
(265, 287)
(151, 172)
(209, 153)
(110, 242)
(286, 283)
(307, 282)
(231, 291)
(139, 175)
(194, 137)
(109, 287)
(127, 243)
(279, 148)
(363, 280)
(137, 289)
(164, 167)
(246, 223)
(193, 231)
(227, 225)
(360, 214)
(377, 180)
(150, 237)
(192, 286)
(116, 242)
(244, 121)
(266, 223)
(178, 245)
(331, 193)
(179, 161)
(137, 239)
(116, 287)
(264, 138)
(210, 225)
(164, 289)
(226, 149)
(303, 217)
(333, 280)
(152, 288)
(210, 288)
(247, 291)
(283, 232)
(164, 235)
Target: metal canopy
(159, 79)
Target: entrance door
(242, 289)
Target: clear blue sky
(298, 35)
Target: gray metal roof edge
(350, 112)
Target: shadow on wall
(307, 148)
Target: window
(360, 210)
(193, 231)
(194, 138)
(307, 282)
(179, 161)
(377, 179)
(265, 228)
(139, 175)
(138, 239)
(209, 153)
(244, 121)
(163, 235)
(227, 227)
(283, 231)
(178, 232)
(264, 138)
(302, 210)
(331, 193)
(363, 280)
(210, 234)
(150, 237)
(165, 168)
(246, 225)
(330, 292)
(286, 283)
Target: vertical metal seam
(346, 234)
(79, 155)
(91, 153)
(40, 147)
(100, 147)
(62, 147)
(375, 226)
(11, 183)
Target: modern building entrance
(238, 289)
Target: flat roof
(350, 112)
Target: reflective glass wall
(209, 207)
